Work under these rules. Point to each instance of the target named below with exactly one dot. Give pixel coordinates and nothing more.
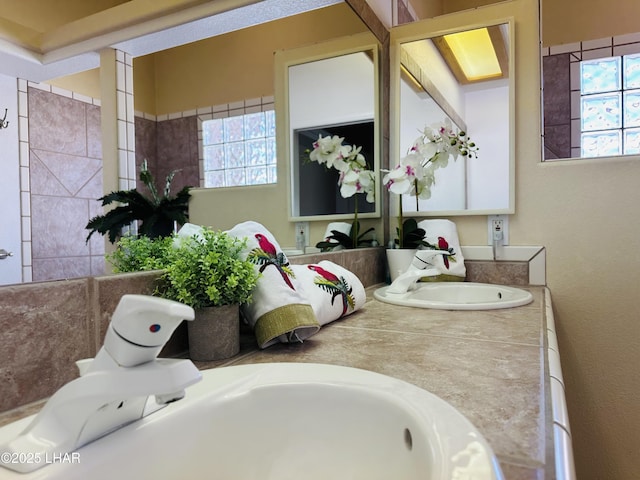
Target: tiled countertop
(488, 364)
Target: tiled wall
(45, 327)
(169, 145)
(64, 168)
(404, 13)
(61, 174)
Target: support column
(118, 124)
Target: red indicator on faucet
(154, 328)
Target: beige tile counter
(487, 364)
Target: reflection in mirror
(447, 77)
(320, 184)
(330, 89)
(591, 92)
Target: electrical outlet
(498, 224)
(302, 228)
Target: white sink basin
(287, 421)
(457, 296)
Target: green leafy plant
(409, 235)
(355, 239)
(135, 254)
(208, 270)
(156, 213)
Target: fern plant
(156, 213)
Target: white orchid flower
(355, 181)
(326, 150)
(401, 179)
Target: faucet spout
(124, 383)
(420, 267)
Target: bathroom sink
(287, 421)
(457, 296)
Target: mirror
(178, 80)
(429, 87)
(327, 89)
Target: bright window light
(475, 54)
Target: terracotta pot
(398, 260)
(215, 333)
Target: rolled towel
(332, 290)
(279, 310)
(444, 234)
(342, 227)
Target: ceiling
(44, 39)
(43, 16)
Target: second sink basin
(457, 296)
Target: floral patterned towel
(443, 234)
(333, 291)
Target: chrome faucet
(124, 383)
(420, 267)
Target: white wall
(331, 91)
(488, 126)
(419, 111)
(11, 267)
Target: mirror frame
(436, 27)
(362, 42)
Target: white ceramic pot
(398, 260)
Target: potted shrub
(207, 272)
(138, 254)
(157, 214)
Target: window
(610, 106)
(240, 150)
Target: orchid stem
(400, 224)
(354, 230)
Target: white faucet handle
(148, 321)
(139, 328)
(422, 257)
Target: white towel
(280, 310)
(440, 232)
(342, 227)
(333, 291)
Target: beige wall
(570, 21)
(239, 65)
(575, 209)
(144, 84)
(234, 67)
(85, 83)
